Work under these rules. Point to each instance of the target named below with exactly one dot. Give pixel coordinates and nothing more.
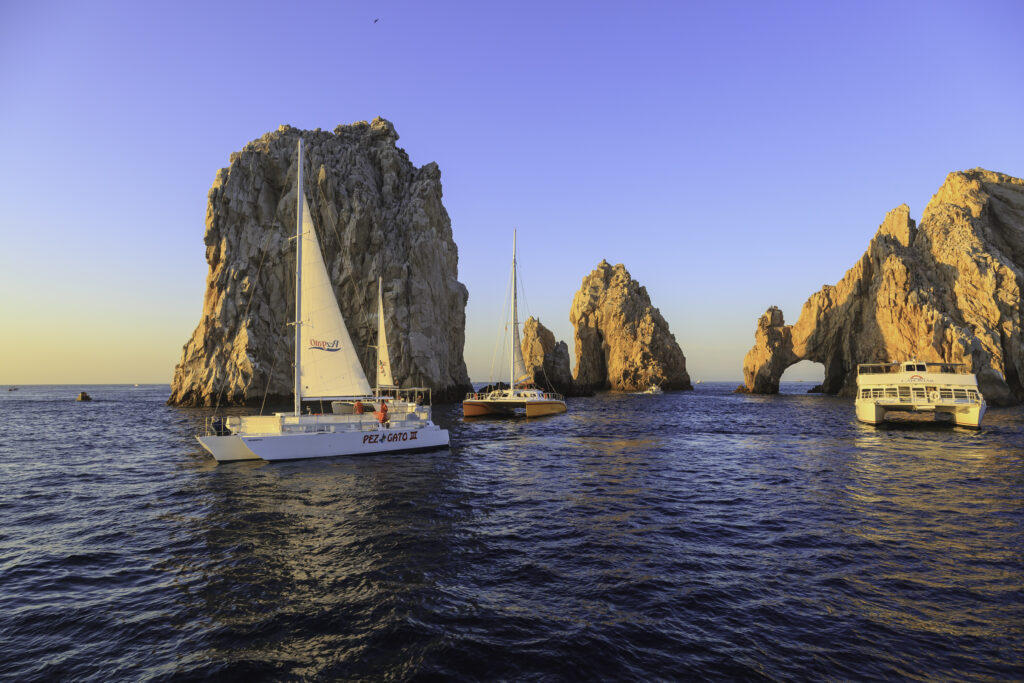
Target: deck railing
(913, 395)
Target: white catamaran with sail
(327, 368)
(521, 396)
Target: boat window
(959, 393)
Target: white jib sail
(384, 378)
(330, 366)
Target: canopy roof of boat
(911, 366)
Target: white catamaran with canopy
(919, 387)
(521, 396)
(327, 368)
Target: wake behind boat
(520, 397)
(327, 368)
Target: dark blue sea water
(685, 536)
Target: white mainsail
(329, 365)
(384, 378)
(519, 373)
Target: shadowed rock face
(622, 342)
(546, 359)
(376, 215)
(948, 290)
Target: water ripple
(699, 535)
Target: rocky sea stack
(546, 359)
(376, 215)
(622, 342)
(948, 290)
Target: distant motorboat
(84, 397)
(653, 389)
(12, 388)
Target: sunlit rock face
(547, 360)
(622, 342)
(376, 215)
(948, 290)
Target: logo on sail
(322, 345)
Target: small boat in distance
(918, 387)
(653, 389)
(327, 369)
(521, 397)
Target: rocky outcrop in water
(948, 290)
(376, 215)
(622, 342)
(546, 359)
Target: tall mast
(380, 324)
(515, 322)
(298, 289)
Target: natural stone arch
(947, 291)
(808, 373)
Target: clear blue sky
(732, 155)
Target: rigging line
(267, 390)
(522, 288)
(245, 314)
(505, 342)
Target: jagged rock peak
(547, 360)
(948, 289)
(622, 341)
(376, 215)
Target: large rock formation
(547, 360)
(948, 290)
(376, 215)
(622, 342)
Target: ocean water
(694, 535)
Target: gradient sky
(732, 155)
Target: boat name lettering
(916, 378)
(333, 345)
(389, 438)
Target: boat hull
(227, 448)
(480, 408)
(304, 445)
(969, 415)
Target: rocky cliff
(376, 215)
(622, 342)
(546, 359)
(946, 290)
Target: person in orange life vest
(358, 407)
(382, 416)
